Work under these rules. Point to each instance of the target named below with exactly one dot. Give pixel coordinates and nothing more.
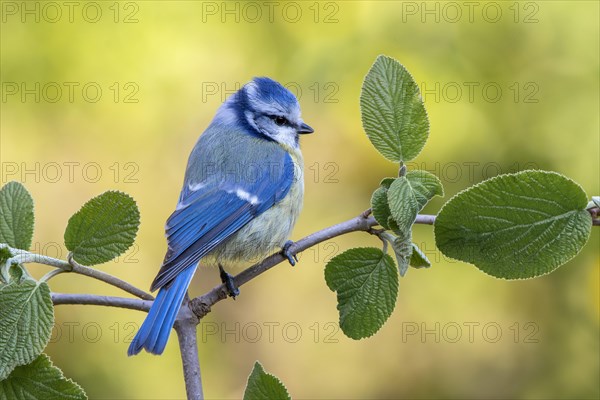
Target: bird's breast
(267, 232)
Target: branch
(201, 305)
(185, 327)
(108, 301)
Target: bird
(242, 193)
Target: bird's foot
(227, 280)
(285, 251)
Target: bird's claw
(285, 251)
(229, 283)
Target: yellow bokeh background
(113, 95)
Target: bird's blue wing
(209, 213)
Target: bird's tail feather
(156, 328)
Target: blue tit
(242, 193)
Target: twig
(425, 219)
(108, 301)
(22, 257)
(107, 278)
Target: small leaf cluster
(101, 230)
(512, 226)
(366, 279)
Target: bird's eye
(279, 120)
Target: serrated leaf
(39, 380)
(26, 320)
(104, 228)
(396, 229)
(263, 386)
(380, 208)
(418, 259)
(425, 185)
(392, 111)
(16, 216)
(516, 226)
(403, 204)
(366, 282)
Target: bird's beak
(305, 128)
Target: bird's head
(268, 109)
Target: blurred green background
(113, 95)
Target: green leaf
(396, 229)
(516, 226)
(366, 282)
(418, 259)
(103, 228)
(16, 216)
(387, 182)
(403, 252)
(5, 254)
(26, 319)
(403, 204)
(262, 385)
(407, 253)
(380, 208)
(425, 185)
(392, 110)
(40, 380)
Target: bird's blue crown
(267, 91)
(256, 102)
